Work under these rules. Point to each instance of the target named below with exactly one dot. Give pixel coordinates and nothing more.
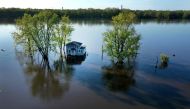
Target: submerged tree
(21, 37)
(122, 42)
(39, 29)
(164, 59)
(38, 33)
(44, 31)
(62, 33)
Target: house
(75, 48)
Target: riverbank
(108, 13)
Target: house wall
(78, 51)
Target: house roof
(74, 43)
(82, 47)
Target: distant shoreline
(11, 14)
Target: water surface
(86, 85)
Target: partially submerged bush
(164, 59)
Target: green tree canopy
(43, 31)
(38, 29)
(122, 41)
(62, 33)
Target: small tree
(122, 42)
(22, 37)
(164, 59)
(62, 33)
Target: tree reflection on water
(118, 77)
(46, 82)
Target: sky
(75, 4)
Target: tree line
(108, 13)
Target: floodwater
(85, 84)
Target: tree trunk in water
(120, 63)
(61, 53)
(45, 57)
(64, 48)
(46, 63)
